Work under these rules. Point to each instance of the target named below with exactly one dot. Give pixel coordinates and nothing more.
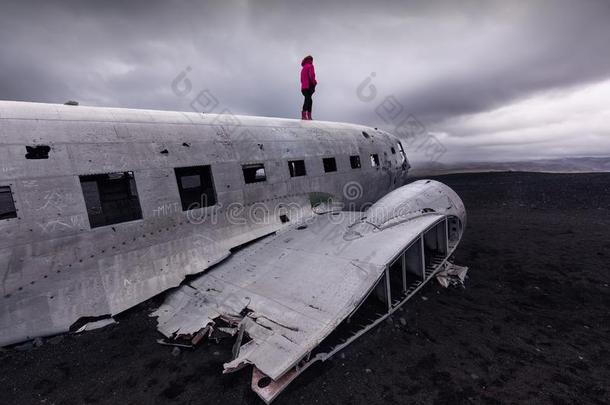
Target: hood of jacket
(306, 60)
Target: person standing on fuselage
(308, 86)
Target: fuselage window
(330, 164)
(111, 198)
(196, 187)
(297, 168)
(355, 161)
(37, 152)
(393, 150)
(374, 160)
(7, 204)
(254, 173)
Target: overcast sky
(489, 80)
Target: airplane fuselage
(101, 209)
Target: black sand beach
(531, 326)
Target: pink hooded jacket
(308, 74)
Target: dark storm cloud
(442, 61)
(541, 48)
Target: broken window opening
(374, 160)
(284, 218)
(7, 203)
(297, 168)
(196, 187)
(37, 152)
(393, 150)
(354, 161)
(111, 198)
(254, 173)
(330, 164)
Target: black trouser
(308, 101)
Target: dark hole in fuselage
(264, 382)
(37, 152)
(284, 218)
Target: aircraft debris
(174, 344)
(95, 325)
(452, 275)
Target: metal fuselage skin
(55, 268)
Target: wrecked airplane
(302, 234)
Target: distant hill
(563, 165)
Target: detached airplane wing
(306, 292)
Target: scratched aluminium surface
(55, 269)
